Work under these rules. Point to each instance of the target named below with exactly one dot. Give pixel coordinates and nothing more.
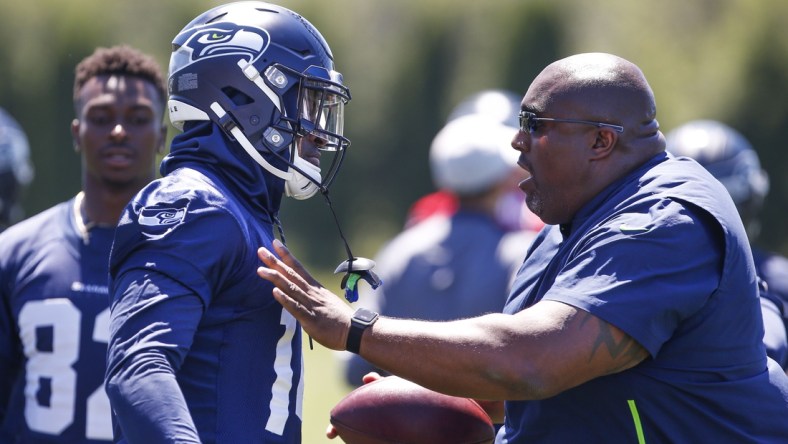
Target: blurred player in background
(732, 160)
(16, 171)
(511, 213)
(458, 261)
(54, 324)
(199, 349)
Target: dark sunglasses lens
(530, 122)
(527, 122)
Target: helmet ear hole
(236, 96)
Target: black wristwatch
(360, 321)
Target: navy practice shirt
(54, 327)
(200, 351)
(662, 255)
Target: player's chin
(124, 179)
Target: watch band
(361, 320)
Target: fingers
(270, 260)
(292, 262)
(331, 432)
(371, 377)
(280, 274)
(284, 292)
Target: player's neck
(97, 209)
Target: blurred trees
(407, 63)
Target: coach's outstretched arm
(635, 238)
(534, 354)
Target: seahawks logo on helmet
(219, 40)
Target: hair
(122, 60)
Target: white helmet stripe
(253, 74)
(247, 146)
(181, 112)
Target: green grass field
(324, 387)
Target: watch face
(365, 315)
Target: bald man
(635, 317)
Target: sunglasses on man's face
(530, 123)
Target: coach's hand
(323, 315)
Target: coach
(635, 317)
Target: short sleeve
(645, 272)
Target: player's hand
(371, 377)
(323, 315)
(331, 432)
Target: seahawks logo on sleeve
(159, 220)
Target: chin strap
(355, 268)
(301, 187)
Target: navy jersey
(200, 351)
(662, 255)
(54, 326)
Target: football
(394, 410)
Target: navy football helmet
(729, 157)
(266, 76)
(16, 171)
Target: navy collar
(593, 205)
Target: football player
(16, 171)
(732, 160)
(199, 350)
(54, 321)
(511, 213)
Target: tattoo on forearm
(625, 351)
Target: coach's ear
(75, 134)
(603, 143)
